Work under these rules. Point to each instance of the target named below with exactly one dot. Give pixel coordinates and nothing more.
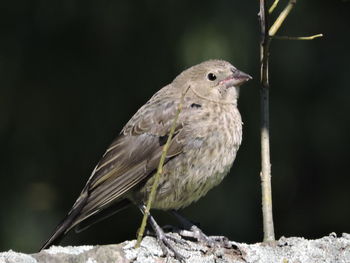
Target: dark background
(73, 72)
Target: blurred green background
(73, 72)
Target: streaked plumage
(207, 137)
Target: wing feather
(133, 156)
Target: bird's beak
(236, 79)
(239, 77)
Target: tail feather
(67, 223)
(80, 220)
(101, 215)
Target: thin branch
(274, 5)
(159, 172)
(265, 174)
(280, 19)
(298, 38)
(266, 36)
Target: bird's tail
(67, 223)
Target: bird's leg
(193, 231)
(162, 238)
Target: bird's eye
(211, 77)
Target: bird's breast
(210, 146)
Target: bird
(207, 136)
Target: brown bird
(206, 139)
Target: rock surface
(328, 249)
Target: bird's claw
(168, 249)
(163, 239)
(176, 240)
(210, 241)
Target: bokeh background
(73, 72)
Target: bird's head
(215, 80)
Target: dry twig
(267, 34)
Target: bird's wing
(131, 158)
(134, 155)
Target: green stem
(159, 172)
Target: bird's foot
(167, 241)
(193, 231)
(176, 240)
(168, 248)
(164, 239)
(210, 241)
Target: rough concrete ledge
(328, 249)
